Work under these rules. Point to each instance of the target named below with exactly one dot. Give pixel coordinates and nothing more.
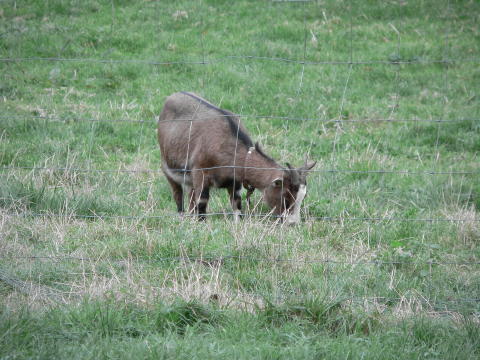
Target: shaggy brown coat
(204, 146)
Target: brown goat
(204, 146)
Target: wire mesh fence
(303, 64)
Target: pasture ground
(94, 265)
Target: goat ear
(278, 182)
(304, 170)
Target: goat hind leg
(201, 195)
(236, 201)
(177, 192)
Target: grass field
(383, 94)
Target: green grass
(141, 283)
(190, 330)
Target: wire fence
(347, 171)
(247, 215)
(247, 57)
(70, 120)
(219, 259)
(302, 61)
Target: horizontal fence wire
(205, 61)
(246, 215)
(218, 259)
(70, 120)
(292, 1)
(159, 171)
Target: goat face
(285, 195)
(281, 194)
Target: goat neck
(259, 171)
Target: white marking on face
(294, 217)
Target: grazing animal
(204, 146)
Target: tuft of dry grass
(468, 231)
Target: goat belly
(224, 182)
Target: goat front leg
(236, 201)
(250, 191)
